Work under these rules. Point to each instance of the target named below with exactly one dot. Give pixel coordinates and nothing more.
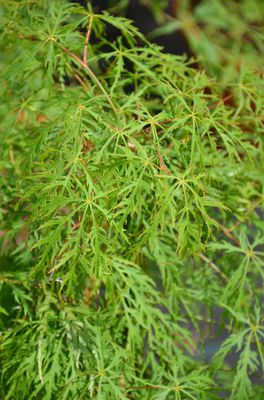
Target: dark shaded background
(144, 20)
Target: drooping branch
(90, 73)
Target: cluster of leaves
(131, 211)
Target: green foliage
(131, 209)
(225, 35)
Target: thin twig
(70, 53)
(89, 71)
(86, 296)
(229, 235)
(214, 267)
(224, 100)
(236, 224)
(162, 164)
(79, 79)
(87, 38)
(140, 387)
(75, 226)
